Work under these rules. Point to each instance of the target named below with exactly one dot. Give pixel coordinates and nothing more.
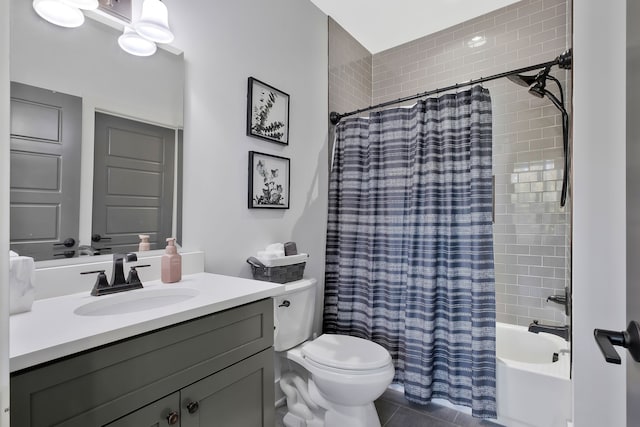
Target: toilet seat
(316, 367)
(346, 354)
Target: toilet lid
(346, 352)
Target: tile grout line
(394, 412)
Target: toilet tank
(293, 314)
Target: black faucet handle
(133, 278)
(563, 300)
(558, 299)
(101, 282)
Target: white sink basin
(134, 301)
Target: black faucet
(117, 275)
(118, 282)
(561, 331)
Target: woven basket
(280, 274)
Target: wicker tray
(280, 274)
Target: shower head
(536, 84)
(538, 87)
(521, 80)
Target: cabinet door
(159, 413)
(240, 395)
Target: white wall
(282, 43)
(4, 213)
(599, 262)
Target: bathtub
(531, 389)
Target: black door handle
(69, 242)
(629, 339)
(96, 238)
(66, 254)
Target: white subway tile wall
(531, 230)
(349, 71)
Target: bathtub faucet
(561, 331)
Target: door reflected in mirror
(133, 182)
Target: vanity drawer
(103, 384)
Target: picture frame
(267, 112)
(269, 181)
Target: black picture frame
(269, 181)
(267, 112)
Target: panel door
(633, 201)
(46, 133)
(159, 413)
(133, 183)
(241, 395)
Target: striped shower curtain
(410, 245)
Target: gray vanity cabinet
(232, 397)
(213, 370)
(159, 413)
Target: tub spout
(561, 331)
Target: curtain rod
(563, 61)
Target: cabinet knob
(173, 418)
(192, 407)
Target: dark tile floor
(395, 411)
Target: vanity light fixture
(59, 12)
(131, 42)
(154, 22)
(82, 4)
(139, 40)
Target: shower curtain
(409, 259)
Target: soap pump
(171, 264)
(144, 244)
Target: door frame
(599, 208)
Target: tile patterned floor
(395, 411)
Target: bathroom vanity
(200, 356)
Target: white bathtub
(532, 391)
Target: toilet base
(353, 416)
(307, 407)
(359, 416)
(340, 415)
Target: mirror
(87, 63)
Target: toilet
(334, 378)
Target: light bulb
(154, 22)
(59, 13)
(131, 42)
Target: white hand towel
(22, 272)
(275, 247)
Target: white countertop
(52, 330)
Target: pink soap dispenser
(171, 265)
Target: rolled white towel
(275, 247)
(266, 255)
(22, 272)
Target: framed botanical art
(267, 112)
(269, 181)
